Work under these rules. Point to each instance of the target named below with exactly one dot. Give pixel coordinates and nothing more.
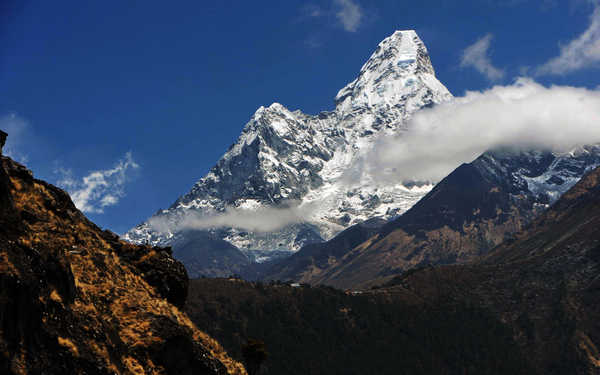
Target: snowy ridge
(540, 177)
(563, 173)
(286, 158)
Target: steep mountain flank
(77, 300)
(544, 284)
(193, 248)
(476, 207)
(308, 263)
(302, 163)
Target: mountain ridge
(473, 209)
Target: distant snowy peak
(399, 69)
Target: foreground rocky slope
(77, 300)
(305, 165)
(476, 207)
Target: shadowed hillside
(321, 330)
(544, 284)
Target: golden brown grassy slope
(76, 300)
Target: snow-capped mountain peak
(399, 68)
(403, 51)
(287, 158)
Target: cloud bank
(477, 56)
(262, 219)
(525, 114)
(99, 189)
(580, 53)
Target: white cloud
(349, 14)
(525, 114)
(99, 189)
(261, 219)
(313, 42)
(582, 52)
(312, 10)
(477, 56)
(18, 132)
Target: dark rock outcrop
(3, 136)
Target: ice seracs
(290, 159)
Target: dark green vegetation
(321, 330)
(255, 354)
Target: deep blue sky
(175, 82)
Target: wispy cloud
(313, 41)
(261, 219)
(312, 10)
(349, 14)
(18, 130)
(523, 115)
(477, 56)
(580, 53)
(99, 189)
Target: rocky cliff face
(301, 163)
(77, 300)
(476, 207)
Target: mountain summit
(389, 75)
(288, 180)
